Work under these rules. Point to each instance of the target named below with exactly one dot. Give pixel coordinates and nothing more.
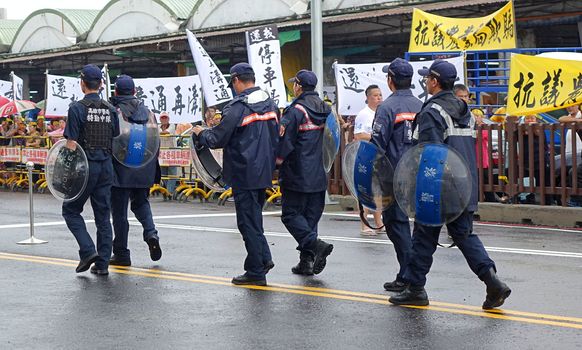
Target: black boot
(410, 296)
(497, 291)
(395, 286)
(305, 265)
(322, 251)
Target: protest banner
(17, 86)
(540, 84)
(61, 91)
(353, 79)
(264, 53)
(432, 33)
(6, 89)
(214, 85)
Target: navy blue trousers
(99, 191)
(398, 230)
(424, 243)
(140, 206)
(300, 214)
(249, 219)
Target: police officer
(92, 123)
(446, 119)
(248, 133)
(132, 184)
(392, 132)
(302, 177)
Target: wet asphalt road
(186, 300)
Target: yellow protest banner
(432, 33)
(539, 84)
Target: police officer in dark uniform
(392, 132)
(132, 184)
(302, 177)
(446, 119)
(92, 123)
(248, 133)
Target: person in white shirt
(574, 116)
(363, 131)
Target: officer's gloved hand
(196, 142)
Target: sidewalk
(497, 212)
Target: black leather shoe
(155, 250)
(84, 264)
(395, 286)
(245, 280)
(322, 251)
(410, 296)
(98, 272)
(268, 266)
(497, 291)
(115, 260)
(305, 265)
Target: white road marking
(369, 240)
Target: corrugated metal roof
(181, 8)
(80, 19)
(8, 28)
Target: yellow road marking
(511, 315)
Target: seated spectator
(7, 129)
(33, 139)
(21, 133)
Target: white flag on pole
(105, 92)
(353, 79)
(6, 89)
(214, 84)
(17, 86)
(181, 97)
(264, 52)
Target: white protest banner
(353, 79)
(6, 89)
(214, 84)
(105, 91)
(17, 86)
(61, 92)
(264, 52)
(181, 97)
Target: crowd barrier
(178, 181)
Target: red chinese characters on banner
(10, 154)
(174, 157)
(35, 155)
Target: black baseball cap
(240, 69)
(399, 68)
(124, 85)
(90, 72)
(304, 78)
(440, 69)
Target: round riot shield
(67, 171)
(208, 165)
(137, 144)
(331, 141)
(432, 184)
(368, 174)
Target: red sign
(10, 154)
(35, 155)
(174, 157)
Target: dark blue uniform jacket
(392, 127)
(300, 147)
(77, 116)
(125, 177)
(446, 119)
(248, 133)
